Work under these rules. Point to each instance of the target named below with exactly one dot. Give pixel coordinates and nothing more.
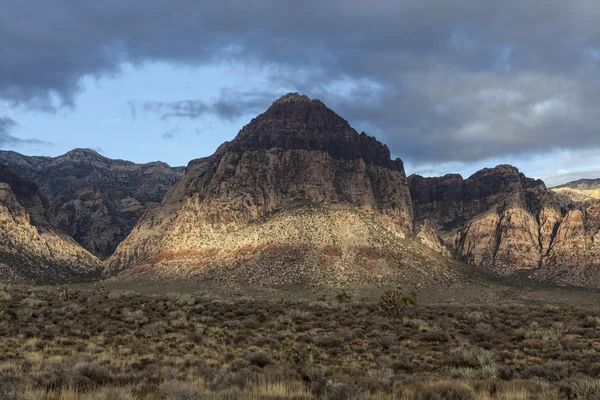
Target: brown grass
(124, 345)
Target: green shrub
(343, 296)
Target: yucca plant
(585, 388)
(467, 374)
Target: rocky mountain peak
(293, 98)
(290, 175)
(295, 122)
(82, 153)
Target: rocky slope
(297, 196)
(507, 223)
(32, 249)
(99, 199)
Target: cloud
(439, 81)
(171, 133)
(228, 106)
(9, 141)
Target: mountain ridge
(300, 195)
(100, 198)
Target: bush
(343, 297)
(226, 379)
(446, 391)
(179, 391)
(259, 359)
(392, 302)
(437, 335)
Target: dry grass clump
(100, 345)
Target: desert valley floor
(486, 340)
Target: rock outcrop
(489, 219)
(297, 196)
(99, 199)
(507, 223)
(32, 249)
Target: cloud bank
(440, 81)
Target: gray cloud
(228, 106)
(439, 81)
(170, 134)
(9, 141)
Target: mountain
(502, 221)
(100, 200)
(32, 249)
(582, 184)
(297, 196)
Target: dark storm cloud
(438, 80)
(9, 141)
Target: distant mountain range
(582, 184)
(298, 196)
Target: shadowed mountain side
(99, 199)
(31, 249)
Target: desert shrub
(445, 391)
(179, 391)
(554, 371)
(100, 287)
(223, 380)
(467, 374)
(33, 303)
(392, 302)
(299, 315)
(54, 380)
(591, 321)
(341, 391)
(89, 376)
(421, 325)
(136, 317)
(185, 300)
(584, 389)
(178, 319)
(474, 357)
(437, 335)
(259, 359)
(343, 296)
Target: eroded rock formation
(505, 222)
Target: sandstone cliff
(31, 248)
(298, 195)
(99, 200)
(507, 223)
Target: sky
(449, 86)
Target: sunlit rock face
(99, 200)
(489, 219)
(32, 246)
(502, 221)
(298, 195)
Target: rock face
(489, 219)
(99, 200)
(32, 249)
(501, 220)
(298, 195)
(574, 257)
